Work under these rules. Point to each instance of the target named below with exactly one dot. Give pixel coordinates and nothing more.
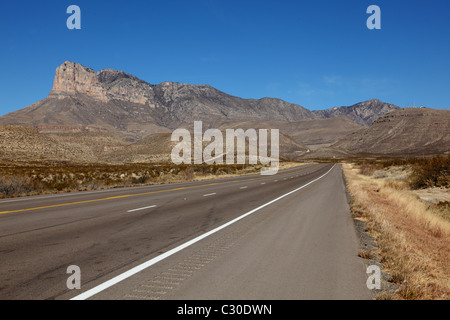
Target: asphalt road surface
(287, 236)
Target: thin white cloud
(333, 80)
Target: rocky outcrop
(125, 87)
(72, 78)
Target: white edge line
(145, 265)
(142, 208)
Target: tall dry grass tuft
(367, 168)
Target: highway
(288, 236)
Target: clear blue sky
(318, 54)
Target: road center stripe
(141, 208)
(209, 194)
(163, 256)
(133, 195)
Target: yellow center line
(135, 195)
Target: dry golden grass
(366, 254)
(413, 239)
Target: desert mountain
(114, 116)
(405, 132)
(82, 100)
(111, 100)
(363, 113)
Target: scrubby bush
(187, 174)
(13, 186)
(431, 172)
(367, 168)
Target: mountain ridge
(363, 113)
(111, 115)
(408, 131)
(133, 108)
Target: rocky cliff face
(72, 78)
(125, 87)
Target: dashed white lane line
(89, 293)
(263, 183)
(141, 208)
(243, 187)
(209, 194)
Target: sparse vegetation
(423, 172)
(412, 236)
(367, 168)
(12, 185)
(21, 179)
(432, 172)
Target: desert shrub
(431, 172)
(367, 168)
(187, 174)
(17, 185)
(61, 185)
(141, 180)
(386, 163)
